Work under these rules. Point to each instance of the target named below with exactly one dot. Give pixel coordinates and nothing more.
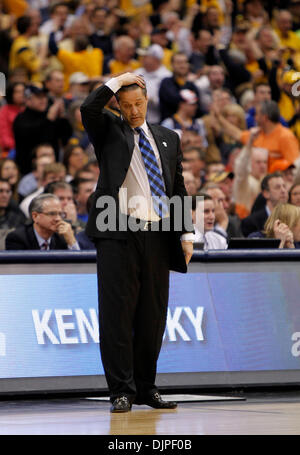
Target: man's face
(133, 106)
(180, 66)
(45, 151)
(284, 21)
(227, 186)
(216, 77)
(259, 164)
(65, 196)
(266, 39)
(50, 216)
(60, 15)
(263, 93)
(84, 191)
(195, 161)
(205, 215)
(56, 83)
(5, 194)
(277, 191)
(98, 19)
(204, 41)
(37, 102)
(219, 198)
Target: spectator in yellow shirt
(22, 54)
(123, 59)
(288, 39)
(83, 59)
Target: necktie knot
(44, 245)
(138, 130)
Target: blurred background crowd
(223, 74)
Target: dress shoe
(121, 404)
(155, 401)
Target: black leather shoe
(121, 404)
(155, 401)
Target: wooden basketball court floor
(259, 414)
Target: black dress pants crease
(133, 285)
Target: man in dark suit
(47, 232)
(143, 161)
(274, 190)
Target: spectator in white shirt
(203, 214)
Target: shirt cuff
(113, 84)
(188, 237)
(74, 247)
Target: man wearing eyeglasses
(48, 230)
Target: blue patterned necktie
(156, 183)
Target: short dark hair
(271, 110)
(265, 181)
(205, 196)
(23, 24)
(128, 88)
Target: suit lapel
(163, 153)
(34, 244)
(129, 138)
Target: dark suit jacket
(254, 222)
(113, 142)
(23, 238)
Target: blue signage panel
(217, 322)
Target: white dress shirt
(135, 194)
(211, 240)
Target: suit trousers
(133, 290)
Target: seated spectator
(288, 171)
(274, 190)
(203, 214)
(280, 142)
(123, 60)
(294, 194)
(52, 172)
(9, 171)
(36, 125)
(184, 118)
(10, 215)
(85, 243)
(283, 224)
(195, 156)
(64, 192)
(15, 103)
(74, 160)
(83, 189)
(227, 224)
(31, 181)
(153, 72)
(170, 87)
(250, 167)
(48, 230)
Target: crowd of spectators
(223, 74)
